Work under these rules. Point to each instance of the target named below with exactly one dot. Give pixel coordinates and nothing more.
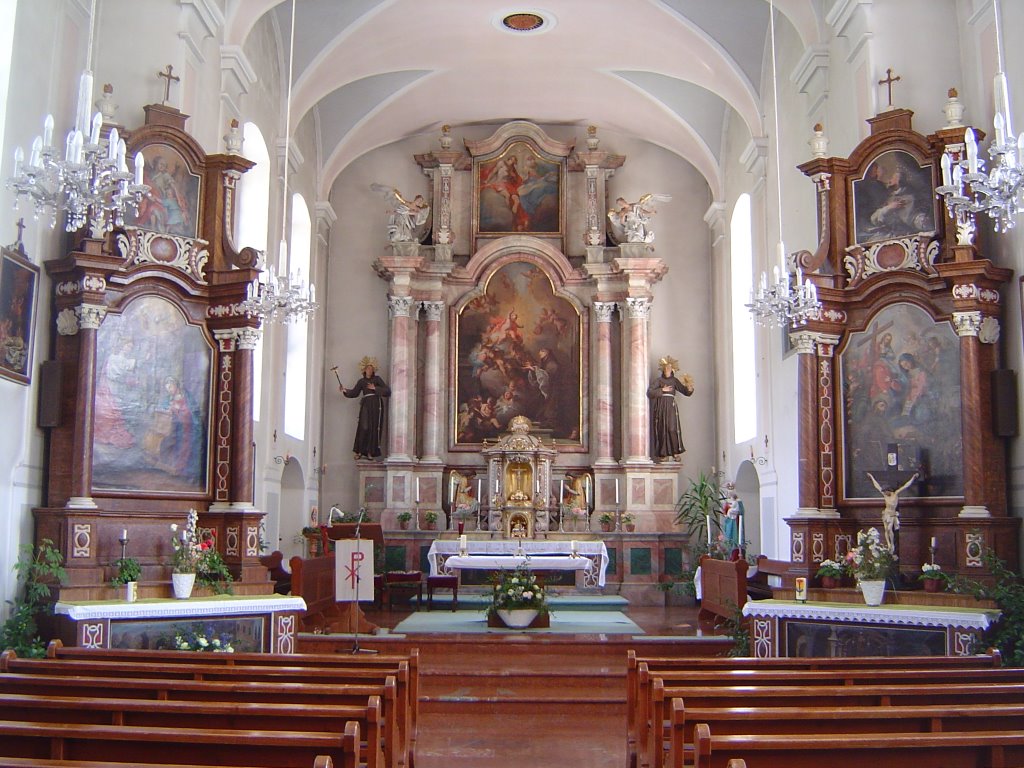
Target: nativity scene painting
(519, 354)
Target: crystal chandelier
(966, 187)
(282, 298)
(89, 181)
(784, 302)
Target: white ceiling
(669, 71)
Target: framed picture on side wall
(19, 284)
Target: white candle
(947, 173)
(462, 545)
(616, 491)
(48, 130)
(561, 490)
(451, 489)
(417, 490)
(572, 545)
(933, 542)
(707, 520)
(124, 535)
(479, 483)
(140, 166)
(740, 532)
(495, 486)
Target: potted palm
(698, 507)
(127, 574)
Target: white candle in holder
(616, 491)
(572, 545)
(417, 490)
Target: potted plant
(429, 520)
(831, 573)
(607, 521)
(403, 519)
(699, 505)
(627, 522)
(872, 563)
(517, 598)
(933, 577)
(128, 572)
(185, 556)
(38, 569)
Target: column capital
(639, 307)
(433, 310)
(967, 323)
(399, 306)
(90, 316)
(603, 310)
(804, 342)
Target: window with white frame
(744, 389)
(298, 350)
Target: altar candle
(572, 545)
(933, 542)
(561, 490)
(801, 588)
(124, 535)
(740, 532)
(495, 486)
(707, 520)
(616, 491)
(479, 483)
(462, 545)
(417, 490)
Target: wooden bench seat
(321, 761)
(977, 749)
(187, 715)
(132, 744)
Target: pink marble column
(432, 410)
(638, 440)
(398, 422)
(603, 311)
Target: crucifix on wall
(888, 81)
(168, 75)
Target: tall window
(744, 391)
(8, 10)
(253, 204)
(295, 373)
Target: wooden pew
(297, 693)
(132, 744)
(758, 587)
(992, 749)
(321, 761)
(723, 586)
(189, 715)
(398, 722)
(837, 720)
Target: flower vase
(873, 591)
(131, 591)
(517, 618)
(932, 585)
(829, 582)
(183, 583)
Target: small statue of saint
(666, 440)
(372, 391)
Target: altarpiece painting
(518, 354)
(519, 191)
(172, 206)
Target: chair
(442, 582)
(404, 582)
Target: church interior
(669, 306)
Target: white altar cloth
(510, 562)
(443, 551)
(180, 609)
(904, 615)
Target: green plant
(831, 568)
(186, 545)
(404, 516)
(518, 589)
(870, 560)
(430, 517)
(606, 518)
(626, 519)
(309, 530)
(698, 507)
(1007, 591)
(738, 629)
(38, 569)
(212, 571)
(128, 569)
(934, 571)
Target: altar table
(815, 629)
(260, 623)
(543, 556)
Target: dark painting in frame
(518, 353)
(172, 205)
(153, 400)
(519, 192)
(19, 286)
(895, 198)
(901, 405)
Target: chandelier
(89, 180)
(281, 297)
(784, 302)
(966, 187)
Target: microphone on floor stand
(355, 646)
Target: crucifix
(21, 228)
(169, 75)
(888, 81)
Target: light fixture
(784, 302)
(967, 188)
(89, 181)
(282, 297)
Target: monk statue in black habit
(371, 390)
(666, 441)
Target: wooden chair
(443, 582)
(402, 583)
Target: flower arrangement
(870, 560)
(831, 568)
(514, 590)
(187, 547)
(933, 571)
(203, 640)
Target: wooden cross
(21, 228)
(169, 75)
(889, 80)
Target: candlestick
(707, 520)
(933, 542)
(616, 491)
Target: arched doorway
(748, 488)
(293, 514)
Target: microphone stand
(355, 603)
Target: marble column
(603, 311)
(399, 308)
(637, 448)
(433, 410)
(89, 317)
(242, 455)
(968, 324)
(807, 423)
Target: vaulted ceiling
(672, 72)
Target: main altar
(519, 470)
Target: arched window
(8, 11)
(251, 228)
(295, 371)
(744, 391)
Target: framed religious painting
(519, 191)
(895, 198)
(154, 388)
(172, 206)
(518, 353)
(901, 405)
(19, 285)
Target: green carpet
(562, 622)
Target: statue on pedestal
(407, 219)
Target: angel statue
(407, 219)
(631, 222)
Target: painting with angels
(518, 353)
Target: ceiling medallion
(523, 22)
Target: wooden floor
(556, 700)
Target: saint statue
(632, 222)
(371, 390)
(407, 219)
(666, 441)
(891, 513)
